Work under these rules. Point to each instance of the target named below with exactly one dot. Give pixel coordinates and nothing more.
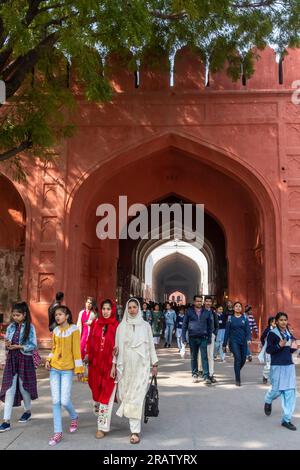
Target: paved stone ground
(192, 416)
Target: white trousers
(135, 425)
(105, 411)
(10, 397)
(267, 366)
(210, 354)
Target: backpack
(151, 401)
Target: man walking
(198, 322)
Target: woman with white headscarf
(131, 367)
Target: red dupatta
(100, 353)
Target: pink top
(85, 331)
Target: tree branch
(16, 72)
(169, 16)
(25, 145)
(4, 56)
(32, 11)
(262, 3)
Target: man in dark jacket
(198, 322)
(51, 310)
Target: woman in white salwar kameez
(132, 365)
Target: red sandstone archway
(102, 184)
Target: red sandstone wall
(250, 134)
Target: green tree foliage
(42, 40)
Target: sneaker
(55, 439)
(237, 383)
(25, 417)
(169, 345)
(195, 379)
(265, 381)
(166, 345)
(74, 425)
(213, 379)
(268, 409)
(249, 358)
(289, 426)
(207, 381)
(5, 427)
(201, 373)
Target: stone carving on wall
(48, 229)
(47, 257)
(292, 111)
(294, 232)
(295, 260)
(294, 166)
(295, 291)
(45, 287)
(49, 196)
(294, 200)
(293, 135)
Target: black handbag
(151, 401)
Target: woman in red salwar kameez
(100, 350)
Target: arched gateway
(234, 149)
(232, 192)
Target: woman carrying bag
(136, 358)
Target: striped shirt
(252, 323)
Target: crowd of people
(118, 350)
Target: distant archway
(178, 297)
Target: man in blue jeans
(198, 322)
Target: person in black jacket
(198, 322)
(238, 334)
(51, 310)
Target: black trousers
(239, 352)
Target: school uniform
(282, 373)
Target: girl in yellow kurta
(63, 361)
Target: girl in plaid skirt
(19, 378)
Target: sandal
(134, 438)
(100, 435)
